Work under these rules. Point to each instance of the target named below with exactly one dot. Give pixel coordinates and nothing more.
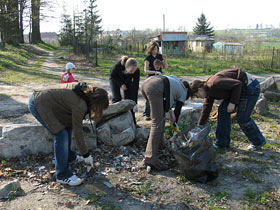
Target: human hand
(135, 108)
(123, 87)
(230, 107)
(158, 73)
(164, 56)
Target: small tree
(203, 27)
(66, 32)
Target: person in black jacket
(125, 75)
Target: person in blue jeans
(239, 91)
(61, 109)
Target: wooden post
(272, 58)
(96, 58)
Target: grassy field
(22, 64)
(196, 64)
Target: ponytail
(124, 58)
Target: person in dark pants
(239, 90)
(60, 110)
(163, 93)
(125, 75)
(149, 68)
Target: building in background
(172, 43)
(200, 43)
(229, 48)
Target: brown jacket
(60, 107)
(226, 84)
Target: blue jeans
(246, 105)
(62, 145)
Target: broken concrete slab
(117, 131)
(119, 107)
(142, 133)
(269, 84)
(12, 188)
(261, 107)
(190, 114)
(272, 96)
(26, 139)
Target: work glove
(135, 108)
(158, 73)
(88, 160)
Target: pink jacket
(67, 78)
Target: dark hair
(194, 85)
(187, 85)
(151, 46)
(98, 100)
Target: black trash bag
(196, 156)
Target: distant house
(172, 43)
(200, 43)
(229, 48)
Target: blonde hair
(98, 100)
(129, 62)
(151, 46)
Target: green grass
(251, 195)
(141, 190)
(48, 47)
(251, 175)
(193, 64)
(22, 65)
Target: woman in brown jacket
(62, 108)
(238, 90)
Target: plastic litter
(195, 154)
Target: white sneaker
(72, 181)
(252, 147)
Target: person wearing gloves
(61, 109)
(238, 91)
(67, 77)
(163, 93)
(125, 75)
(149, 68)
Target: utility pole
(163, 22)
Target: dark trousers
(147, 110)
(116, 93)
(152, 90)
(246, 105)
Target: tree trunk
(12, 25)
(2, 23)
(35, 10)
(21, 30)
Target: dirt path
(246, 180)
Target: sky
(179, 14)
